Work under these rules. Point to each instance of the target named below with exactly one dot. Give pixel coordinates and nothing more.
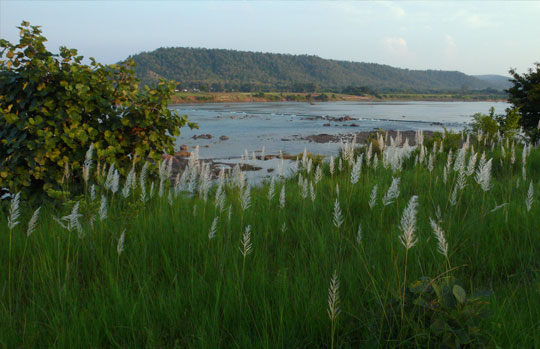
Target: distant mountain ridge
(500, 82)
(226, 70)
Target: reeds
(220, 262)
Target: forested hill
(226, 70)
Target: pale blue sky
(474, 37)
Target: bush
(53, 108)
(485, 123)
(490, 124)
(451, 316)
(450, 139)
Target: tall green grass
(301, 280)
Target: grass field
(411, 246)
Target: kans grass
(324, 257)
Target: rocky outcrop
(203, 136)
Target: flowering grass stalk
(333, 305)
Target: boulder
(203, 136)
(223, 138)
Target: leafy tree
(525, 95)
(53, 107)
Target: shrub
(485, 123)
(442, 306)
(53, 108)
(490, 124)
(450, 139)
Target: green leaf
(11, 117)
(460, 294)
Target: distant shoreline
(315, 98)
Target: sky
(485, 37)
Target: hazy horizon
(476, 38)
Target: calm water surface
(254, 125)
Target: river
(254, 125)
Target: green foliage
(443, 306)
(525, 95)
(490, 124)
(485, 123)
(450, 139)
(53, 108)
(509, 123)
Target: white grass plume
(449, 160)
(92, 192)
(356, 170)
(220, 198)
(441, 239)
(282, 197)
(87, 165)
(392, 193)
(408, 224)
(213, 229)
(245, 244)
(445, 175)
(375, 161)
(373, 196)
(33, 222)
(530, 197)
(152, 191)
(359, 234)
(338, 216)
(120, 245)
(318, 174)
(304, 187)
(333, 297)
(430, 163)
(483, 176)
(453, 196)
(271, 189)
(459, 164)
(103, 208)
(246, 198)
(472, 164)
(462, 179)
(128, 184)
(14, 211)
(72, 220)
